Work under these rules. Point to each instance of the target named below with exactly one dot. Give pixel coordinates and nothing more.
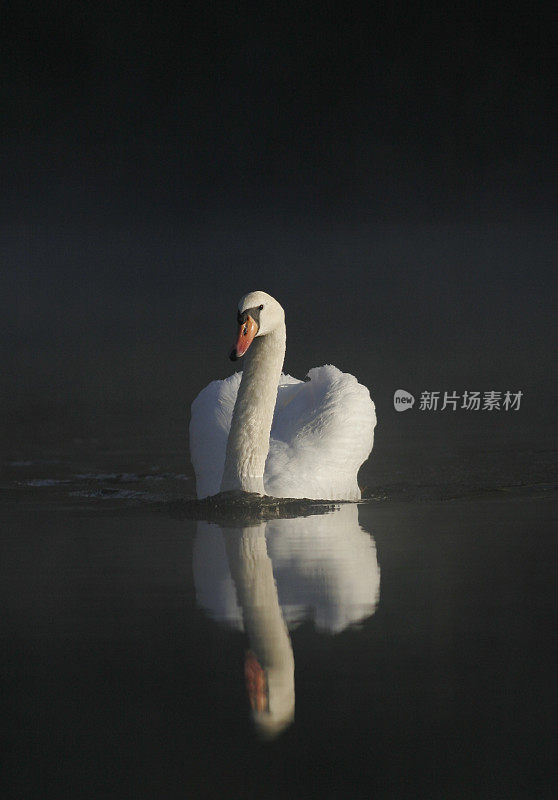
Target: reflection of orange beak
(256, 683)
(246, 333)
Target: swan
(265, 432)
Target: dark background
(389, 178)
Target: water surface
(395, 648)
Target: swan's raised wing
(209, 430)
(323, 430)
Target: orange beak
(246, 333)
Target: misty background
(390, 179)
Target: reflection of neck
(248, 442)
(265, 627)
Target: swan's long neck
(248, 442)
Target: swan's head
(258, 314)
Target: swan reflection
(266, 578)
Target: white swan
(261, 431)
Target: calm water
(399, 648)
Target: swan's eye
(261, 307)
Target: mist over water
(114, 334)
(144, 319)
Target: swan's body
(261, 431)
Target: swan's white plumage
(322, 431)
(209, 430)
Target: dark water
(404, 643)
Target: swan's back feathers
(322, 431)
